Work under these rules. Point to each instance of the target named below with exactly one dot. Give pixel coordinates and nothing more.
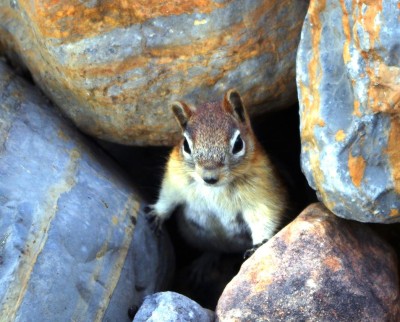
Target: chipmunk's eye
(186, 147)
(238, 145)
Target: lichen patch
(357, 167)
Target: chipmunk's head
(217, 138)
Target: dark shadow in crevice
(278, 132)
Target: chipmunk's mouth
(211, 182)
(210, 177)
(215, 185)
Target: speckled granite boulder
(172, 307)
(348, 78)
(69, 248)
(113, 66)
(318, 268)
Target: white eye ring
(238, 146)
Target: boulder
(149, 268)
(348, 79)
(172, 307)
(114, 66)
(318, 268)
(69, 249)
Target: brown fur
(247, 195)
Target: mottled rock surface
(348, 78)
(318, 268)
(149, 268)
(113, 66)
(69, 248)
(172, 307)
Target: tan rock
(113, 66)
(318, 268)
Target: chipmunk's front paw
(153, 219)
(252, 250)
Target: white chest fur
(212, 218)
(220, 201)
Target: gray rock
(69, 249)
(113, 67)
(348, 79)
(149, 268)
(172, 307)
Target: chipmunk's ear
(182, 113)
(233, 104)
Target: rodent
(231, 196)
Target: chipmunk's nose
(210, 180)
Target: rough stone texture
(113, 66)
(318, 268)
(68, 247)
(172, 307)
(149, 268)
(348, 78)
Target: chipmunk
(231, 196)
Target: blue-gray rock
(114, 66)
(348, 79)
(172, 307)
(69, 249)
(149, 268)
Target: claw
(249, 252)
(252, 250)
(154, 220)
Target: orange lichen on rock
(357, 167)
(340, 135)
(384, 84)
(74, 19)
(394, 213)
(357, 111)
(347, 32)
(311, 114)
(384, 88)
(368, 12)
(393, 151)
